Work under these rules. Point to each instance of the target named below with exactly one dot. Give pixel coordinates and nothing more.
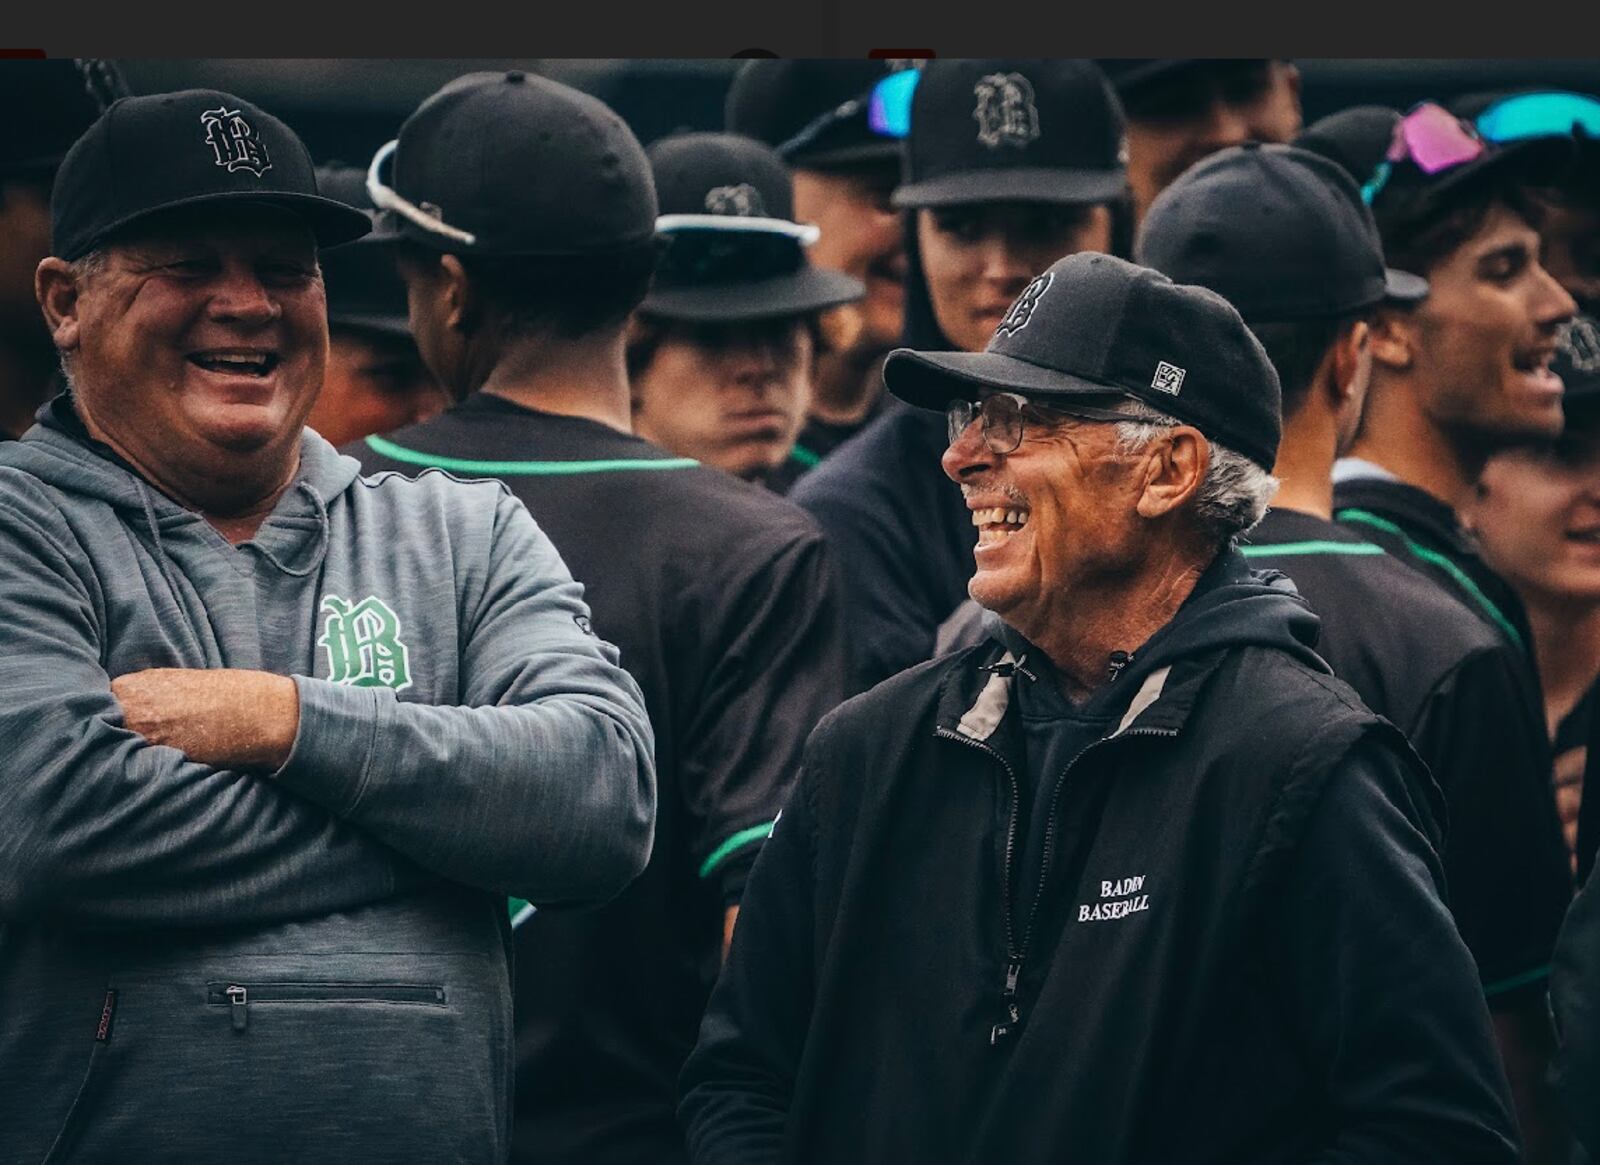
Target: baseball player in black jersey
(1283, 233)
(719, 595)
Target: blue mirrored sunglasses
(1540, 115)
(887, 106)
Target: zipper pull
(238, 1007)
(1119, 660)
(1002, 1031)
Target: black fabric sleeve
(1506, 869)
(775, 674)
(738, 1083)
(1575, 1006)
(1381, 990)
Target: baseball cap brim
(878, 151)
(931, 380)
(797, 293)
(1403, 287)
(331, 222)
(1022, 184)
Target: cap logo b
(1168, 378)
(1582, 342)
(743, 200)
(1005, 113)
(1021, 311)
(234, 141)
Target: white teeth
(999, 516)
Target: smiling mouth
(1535, 363)
(997, 523)
(256, 364)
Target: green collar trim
(1433, 557)
(735, 843)
(807, 457)
(523, 468)
(1288, 549)
(1501, 986)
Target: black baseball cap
(1094, 326)
(515, 164)
(1577, 362)
(1281, 233)
(47, 105)
(1400, 192)
(194, 148)
(733, 251)
(1183, 87)
(1013, 131)
(819, 106)
(364, 288)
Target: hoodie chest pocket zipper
(238, 998)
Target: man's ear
(58, 291)
(1394, 344)
(463, 307)
(1346, 358)
(1174, 470)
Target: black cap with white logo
(1280, 233)
(1095, 326)
(1577, 362)
(732, 248)
(193, 148)
(1013, 131)
(515, 164)
(364, 287)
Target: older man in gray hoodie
(278, 738)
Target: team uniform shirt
(1456, 687)
(1578, 752)
(722, 601)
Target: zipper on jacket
(238, 997)
(1119, 660)
(1017, 953)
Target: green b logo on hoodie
(363, 644)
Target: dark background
(346, 109)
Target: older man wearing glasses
(1139, 855)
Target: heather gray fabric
(358, 895)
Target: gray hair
(1235, 493)
(83, 267)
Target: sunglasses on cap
(887, 106)
(1431, 139)
(1550, 114)
(1003, 415)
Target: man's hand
(226, 718)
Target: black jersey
(722, 601)
(1457, 688)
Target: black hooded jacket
(901, 533)
(1229, 947)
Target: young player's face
(1537, 515)
(1203, 110)
(203, 338)
(376, 383)
(976, 259)
(1483, 339)
(861, 236)
(730, 395)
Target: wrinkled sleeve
(540, 785)
(100, 829)
(778, 668)
(1575, 1005)
(1381, 988)
(738, 1083)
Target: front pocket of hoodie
(297, 1067)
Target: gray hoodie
(201, 965)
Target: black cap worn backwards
(47, 104)
(195, 148)
(1281, 233)
(364, 288)
(1013, 131)
(813, 112)
(733, 250)
(516, 164)
(1094, 326)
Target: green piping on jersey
(1434, 557)
(1270, 550)
(522, 468)
(737, 842)
(807, 457)
(521, 910)
(1501, 986)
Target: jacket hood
(1231, 606)
(60, 452)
